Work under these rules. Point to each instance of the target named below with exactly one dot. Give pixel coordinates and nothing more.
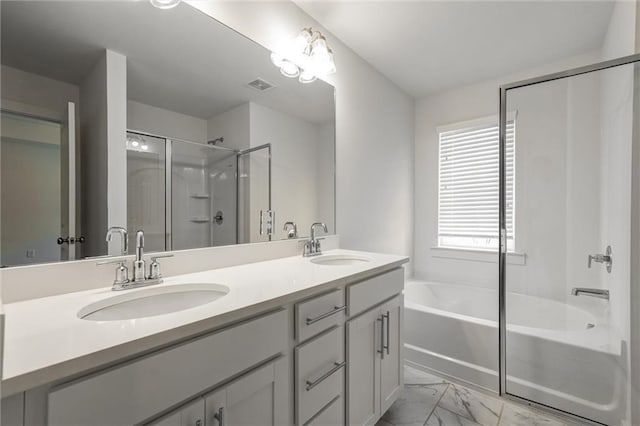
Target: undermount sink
(152, 301)
(339, 260)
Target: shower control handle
(602, 258)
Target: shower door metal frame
(502, 219)
(238, 155)
(168, 170)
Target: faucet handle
(122, 272)
(154, 267)
(112, 260)
(160, 256)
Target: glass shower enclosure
(187, 195)
(569, 314)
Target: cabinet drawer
(134, 392)
(373, 291)
(320, 367)
(331, 415)
(316, 315)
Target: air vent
(260, 85)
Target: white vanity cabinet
(332, 357)
(255, 398)
(374, 349)
(190, 415)
(320, 359)
(145, 387)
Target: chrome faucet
(140, 279)
(593, 292)
(312, 246)
(292, 230)
(124, 242)
(602, 258)
(138, 264)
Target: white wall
(36, 95)
(93, 130)
(233, 125)
(325, 175)
(162, 122)
(116, 81)
(374, 130)
(295, 162)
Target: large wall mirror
(119, 114)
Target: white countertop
(45, 340)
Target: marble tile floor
(429, 400)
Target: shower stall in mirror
(192, 195)
(571, 186)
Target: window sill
(488, 256)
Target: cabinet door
(191, 415)
(253, 400)
(363, 366)
(391, 377)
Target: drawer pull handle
(326, 314)
(336, 366)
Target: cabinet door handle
(335, 310)
(336, 366)
(219, 416)
(388, 327)
(381, 350)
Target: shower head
(216, 141)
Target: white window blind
(469, 186)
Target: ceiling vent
(260, 85)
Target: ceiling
(179, 59)
(430, 46)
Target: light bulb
(144, 147)
(135, 144)
(165, 4)
(321, 58)
(289, 69)
(319, 47)
(307, 77)
(331, 65)
(301, 43)
(276, 59)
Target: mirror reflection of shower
(186, 194)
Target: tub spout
(593, 292)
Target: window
(468, 185)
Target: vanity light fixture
(165, 4)
(307, 77)
(307, 57)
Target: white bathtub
(557, 354)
